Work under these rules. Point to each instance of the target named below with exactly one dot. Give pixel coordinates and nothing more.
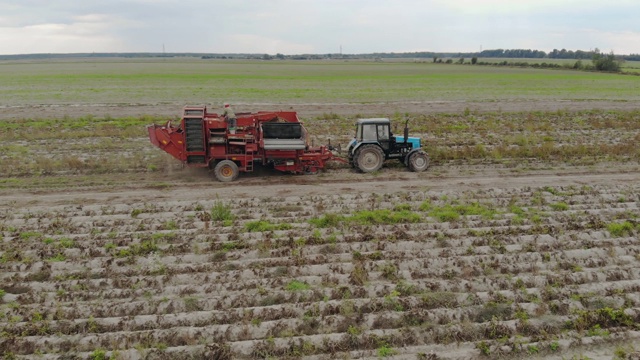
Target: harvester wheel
(368, 158)
(226, 171)
(418, 161)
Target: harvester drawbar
(277, 139)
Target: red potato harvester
(274, 138)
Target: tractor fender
(406, 158)
(358, 145)
(352, 144)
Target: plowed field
(420, 266)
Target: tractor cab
(374, 143)
(374, 130)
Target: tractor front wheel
(226, 171)
(418, 161)
(368, 158)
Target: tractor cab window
(383, 132)
(369, 132)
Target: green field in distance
(191, 80)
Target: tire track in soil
(277, 184)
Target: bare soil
(313, 110)
(196, 184)
(501, 261)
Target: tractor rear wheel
(226, 171)
(368, 158)
(418, 161)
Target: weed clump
(384, 216)
(386, 351)
(389, 271)
(560, 206)
(296, 285)
(329, 220)
(263, 226)
(452, 212)
(620, 229)
(221, 212)
(368, 217)
(99, 354)
(484, 348)
(601, 318)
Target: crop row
(533, 270)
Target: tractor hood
(414, 141)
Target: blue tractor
(374, 143)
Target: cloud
(312, 26)
(620, 42)
(89, 33)
(521, 7)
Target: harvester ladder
(249, 156)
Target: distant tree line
(586, 55)
(508, 53)
(495, 53)
(513, 53)
(632, 57)
(570, 54)
(599, 62)
(537, 54)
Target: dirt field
(312, 110)
(538, 260)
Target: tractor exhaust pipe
(406, 130)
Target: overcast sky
(317, 26)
